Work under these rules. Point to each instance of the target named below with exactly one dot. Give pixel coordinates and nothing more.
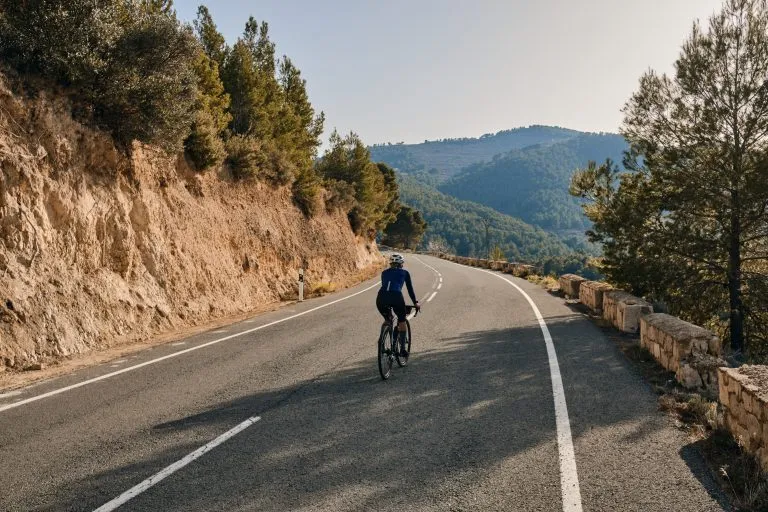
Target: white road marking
(165, 473)
(429, 266)
(219, 331)
(9, 394)
(120, 361)
(569, 478)
(180, 352)
(178, 343)
(433, 269)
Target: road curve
(287, 412)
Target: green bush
(341, 195)
(148, 91)
(244, 157)
(131, 65)
(306, 191)
(204, 146)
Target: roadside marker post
(301, 285)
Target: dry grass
(549, 283)
(320, 289)
(739, 473)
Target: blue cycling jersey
(393, 279)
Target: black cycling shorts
(394, 301)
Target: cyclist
(391, 295)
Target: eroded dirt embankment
(99, 249)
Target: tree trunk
(734, 281)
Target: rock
(689, 377)
(34, 367)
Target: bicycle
(389, 348)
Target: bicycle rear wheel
(386, 352)
(403, 360)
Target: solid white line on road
(569, 478)
(158, 477)
(176, 354)
(431, 297)
(439, 286)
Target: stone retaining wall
(690, 351)
(624, 311)
(570, 284)
(516, 269)
(591, 294)
(743, 393)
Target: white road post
(301, 285)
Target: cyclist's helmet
(396, 260)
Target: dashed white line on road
(165, 473)
(176, 354)
(178, 343)
(439, 286)
(9, 394)
(431, 297)
(219, 331)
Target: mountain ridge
(444, 158)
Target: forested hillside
(459, 226)
(444, 158)
(532, 183)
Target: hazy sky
(409, 70)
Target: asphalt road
(470, 424)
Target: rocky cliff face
(97, 248)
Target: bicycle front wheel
(386, 352)
(403, 360)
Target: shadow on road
(468, 425)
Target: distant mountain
(445, 158)
(461, 224)
(532, 183)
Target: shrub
(130, 65)
(306, 191)
(149, 90)
(244, 157)
(204, 147)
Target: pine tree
(210, 38)
(349, 161)
(407, 230)
(204, 145)
(698, 196)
